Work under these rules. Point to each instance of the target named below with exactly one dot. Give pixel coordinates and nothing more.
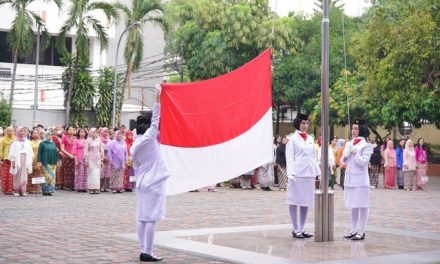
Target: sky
(283, 7)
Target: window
(48, 56)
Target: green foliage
(358, 102)
(297, 76)
(83, 90)
(142, 12)
(216, 37)
(81, 15)
(5, 112)
(104, 104)
(22, 37)
(398, 55)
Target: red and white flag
(217, 129)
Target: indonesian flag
(218, 129)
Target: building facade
(50, 94)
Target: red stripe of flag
(214, 111)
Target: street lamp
(115, 77)
(37, 60)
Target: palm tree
(80, 18)
(141, 12)
(22, 37)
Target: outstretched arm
(153, 131)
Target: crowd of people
(403, 167)
(40, 160)
(98, 160)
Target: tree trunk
(128, 77)
(129, 69)
(277, 125)
(14, 73)
(332, 132)
(376, 133)
(69, 92)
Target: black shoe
(298, 235)
(306, 235)
(144, 257)
(350, 236)
(359, 237)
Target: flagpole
(324, 222)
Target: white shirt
(300, 156)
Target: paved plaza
(228, 226)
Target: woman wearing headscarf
(56, 138)
(390, 166)
(20, 155)
(48, 157)
(117, 154)
(106, 170)
(422, 163)
(399, 162)
(128, 186)
(409, 166)
(93, 156)
(80, 166)
(36, 169)
(68, 148)
(5, 163)
(302, 169)
(356, 156)
(281, 164)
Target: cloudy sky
(283, 7)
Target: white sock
(293, 217)
(149, 237)
(354, 220)
(140, 228)
(145, 232)
(363, 218)
(302, 217)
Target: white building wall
(142, 92)
(50, 76)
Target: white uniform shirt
(148, 164)
(300, 157)
(356, 174)
(331, 158)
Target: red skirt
(390, 177)
(7, 186)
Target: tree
(216, 37)
(21, 37)
(141, 13)
(103, 106)
(81, 15)
(84, 92)
(5, 112)
(397, 53)
(349, 99)
(297, 76)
